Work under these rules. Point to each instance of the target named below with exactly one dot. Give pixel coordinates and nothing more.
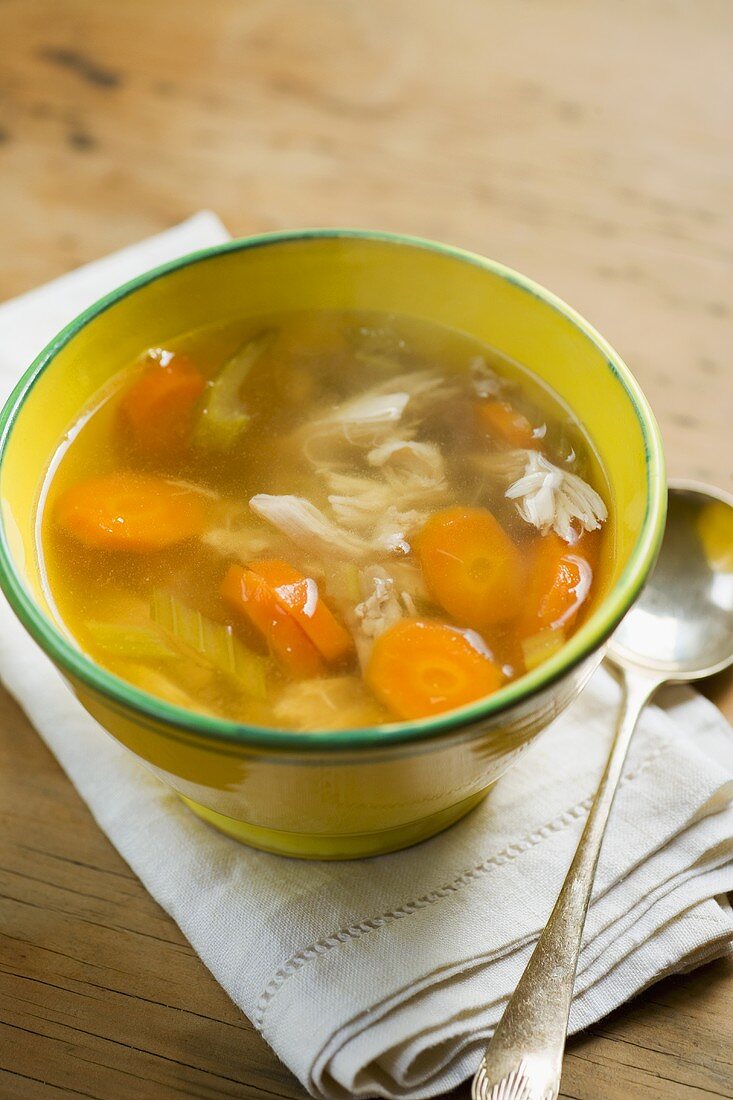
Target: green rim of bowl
(228, 735)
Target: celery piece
(541, 646)
(210, 641)
(131, 642)
(223, 416)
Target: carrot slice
(421, 667)
(560, 581)
(157, 410)
(129, 511)
(251, 595)
(471, 566)
(505, 424)
(301, 596)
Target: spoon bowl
(681, 627)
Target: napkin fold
(384, 977)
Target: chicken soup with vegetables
(323, 521)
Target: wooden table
(587, 144)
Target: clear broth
(318, 362)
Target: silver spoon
(681, 628)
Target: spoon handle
(523, 1060)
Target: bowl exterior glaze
(339, 805)
(325, 795)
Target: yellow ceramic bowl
(335, 795)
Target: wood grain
(587, 144)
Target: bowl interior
(328, 270)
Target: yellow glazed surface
(330, 795)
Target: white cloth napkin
(384, 977)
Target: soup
(323, 521)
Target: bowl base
(339, 846)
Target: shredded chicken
(386, 596)
(235, 534)
(327, 704)
(404, 458)
(553, 499)
(371, 418)
(425, 388)
(381, 608)
(365, 503)
(500, 466)
(308, 527)
(362, 421)
(372, 513)
(409, 579)
(385, 532)
(485, 381)
(388, 507)
(358, 501)
(411, 491)
(395, 527)
(240, 543)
